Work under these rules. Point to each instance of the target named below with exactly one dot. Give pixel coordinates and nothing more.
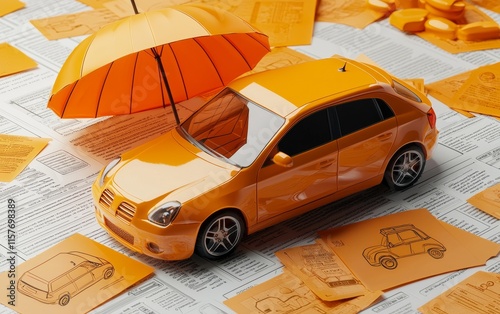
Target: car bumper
(174, 242)
(430, 141)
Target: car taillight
(431, 116)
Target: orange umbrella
(155, 59)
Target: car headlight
(164, 214)
(107, 169)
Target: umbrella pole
(169, 91)
(134, 6)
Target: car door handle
(326, 163)
(384, 137)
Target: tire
(220, 235)
(436, 253)
(64, 300)
(405, 168)
(388, 262)
(108, 273)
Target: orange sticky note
(12, 60)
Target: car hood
(369, 252)
(166, 166)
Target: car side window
(359, 114)
(60, 282)
(312, 131)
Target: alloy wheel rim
(407, 168)
(222, 235)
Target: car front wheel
(405, 168)
(220, 235)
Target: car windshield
(232, 128)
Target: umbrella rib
(132, 85)
(211, 61)
(102, 89)
(180, 70)
(69, 96)
(236, 48)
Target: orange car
(268, 147)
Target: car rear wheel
(220, 235)
(64, 299)
(388, 262)
(405, 168)
(436, 253)
(108, 273)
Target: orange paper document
(446, 89)
(478, 294)
(392, 250)
(322, 271)
(285, 22)
(288, 294)
(16, 152)
(488, 201)
(354, 13)
(74, 276)
(481, 91)
(12, 60)
(9, 6)
(77, 24)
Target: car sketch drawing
(63, 276)
(402, 241)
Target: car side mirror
(283, 160)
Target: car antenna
(342, 69)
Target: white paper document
(53, 196)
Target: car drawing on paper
(63, 276)
(268, 147)
(402, 241)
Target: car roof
(285, 89)
(395, 229)
(57, 265)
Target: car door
(81, 275)
(398, 246)
(313, 175)
(368, 130)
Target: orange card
(12, 60)
(477, 294)
(488, 201)
(74, 276)
(9, 6)
(392, 250)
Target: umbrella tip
(134, 6)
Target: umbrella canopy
(155, 59)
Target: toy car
(402, 241)
(268, 147)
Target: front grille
(119, 231)
(125, 212)
(106, 198)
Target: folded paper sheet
(322, 271)
(288, 294)
(478, 294)
(74, 276)
(392, 250)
